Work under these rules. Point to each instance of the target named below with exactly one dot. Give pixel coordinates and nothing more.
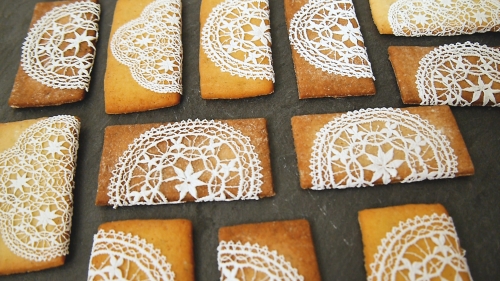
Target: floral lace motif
(420, 249)
(253, 262)
(237, 38)
(387, 139)
(326, 34)
(183, 158)
(443, 17)
(126, 257)
(443, 73)
(36, 184)
(151, 46)
(51, 53)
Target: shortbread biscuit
(37, 165)
(457, 74)
(379, 146)
(144, 66)
(411, 241)
(280, 250)
(143, 250)
(235, 49)
(431, 18)
(328, 51)
(193, 160)
(57, 55)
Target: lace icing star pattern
(151, 46)
(253, 262)
(420, 249)
(387, 139)
(184, 158)
(127, 257)
(326, 34)
(36, 183)
(51, 53)
(443, 17)
(443, 71)
(237, 38)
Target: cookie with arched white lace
(57, 54)
(37, 166)
(192, 160)
(379, 146)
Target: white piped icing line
(127, 257)
(151, 47)
(36, 189)
(252, 262)
(443, 17)
(237, 38)
(388, 139)
(51, 52)
(182, 157)
(459, 75)
(420, 249)
(326, 34)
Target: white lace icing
(36, 184)
(50, 53)
(450, 71)
(125, 257)
(326, 34)
(196, 154)
(430, 241)
(151, 46)
(253, 262)
(387, 139)
(237, 38)
(443, 17)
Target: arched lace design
(36, 184)
(443, 17)
(51, 52)
(459, 74)
(362, 147)
(125, 257)
(151, 47)
(253, 262)
(420, 249)
(326, 34)
(181, 157)
(237, 38)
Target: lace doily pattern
(252, 262)
(443, 17)
(237, 38)
(36, 184)
(151, 47)
(183, 157)
(363, 147)
(459, 75)
(326, 34)
(420, 249)
(120, 256)
(52, 52)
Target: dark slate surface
(471, 201)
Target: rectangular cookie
(235, 51)
(411, 242)
(144, 65)
(328, 51)
(142, 249)
(460, 74)
(47, 76)
(282, 249)
(193, 160)
(37, 166)
(379, 146)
